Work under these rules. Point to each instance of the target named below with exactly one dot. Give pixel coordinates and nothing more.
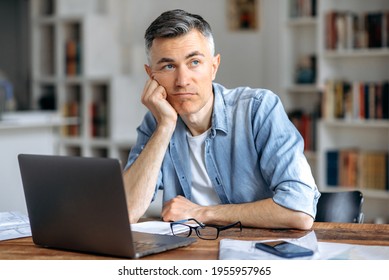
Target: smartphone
(284, 249)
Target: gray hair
(176, 23)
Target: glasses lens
(207, 232)
(181, 230)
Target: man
(220, 155)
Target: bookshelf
(350, 61)
(299, 71)
(76, 67)
(353, 72)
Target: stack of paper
(14, 225)
(157, 227)
(245, 250)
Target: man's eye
(168, 67)
(195, 62)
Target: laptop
(79, 204)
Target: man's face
(185, 67)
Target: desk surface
(363, 234)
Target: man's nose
(183, 77)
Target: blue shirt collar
(219, 115)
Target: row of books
(355, 100)
(302, 8)
(358, 169)
(349, 30)
(306, 124)
(98, 119)
(99, 111)
(72, 58)
(71, 109)
(73, 49)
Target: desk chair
(340, 207)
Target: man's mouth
(183, 94)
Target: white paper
(341, 251)
(158, 227)
(245, 250)
(14, 225)
(230, 249)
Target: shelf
(303, 88)
(51, 19)
(125, 142)
(359, 124)
(380, 194)
(357, 53)
(298, 68)
(352, 70)
(71, 141)
(99, 142)
(302, 21)
(79, 79)
(45, 20)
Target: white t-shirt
(203, 192)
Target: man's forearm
(141, 178)
(264, 214)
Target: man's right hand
(154, 97)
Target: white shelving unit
(304, 35)
(353, 65)
(299, 41)
(76, 64)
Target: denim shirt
(252, 153)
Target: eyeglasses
(184, 228)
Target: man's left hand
(180, 208)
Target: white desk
(25, 132)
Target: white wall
(246, 57)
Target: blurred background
(72, 72)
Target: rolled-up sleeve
(282, 158)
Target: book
(355, 100)
(330, 30)
(348, 30)
(70, 57)
(332, 167)
(306, 124)
(374, 27)
(350, 167)
(99, 125)
(71, 109)
(385, 100)
(99, 111)
(73, 50)
(303, 8)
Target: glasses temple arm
(230, 226)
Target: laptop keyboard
(146, 245)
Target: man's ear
(215, 65)
(148, 71)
